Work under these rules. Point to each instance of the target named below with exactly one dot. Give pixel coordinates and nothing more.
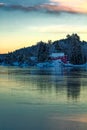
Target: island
(70, 51)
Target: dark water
(43, 99)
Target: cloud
(2, 4)
(76, 6)
(19, 7)
(53, 6)
(23, 8)
(62, 28)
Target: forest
(72, 46)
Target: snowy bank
(75, 66)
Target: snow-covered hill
(75, 50)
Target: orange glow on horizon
(11, 45)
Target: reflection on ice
(43, 99)
(47, 80)
(73, 83)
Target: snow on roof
(56, 54)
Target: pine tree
(76, 54)
(43, 52)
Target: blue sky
(25, 22)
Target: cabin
(58, 56)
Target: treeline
(71, 46)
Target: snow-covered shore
(75, 66)
(55, 64)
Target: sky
(26, 22)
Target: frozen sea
(43, 98)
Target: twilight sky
(25, 22)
